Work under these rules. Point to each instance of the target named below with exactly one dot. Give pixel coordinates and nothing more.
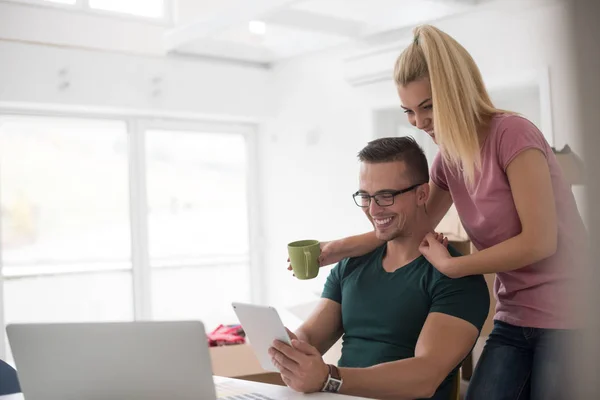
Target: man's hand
(300, 365)
(291, 334)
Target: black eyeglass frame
(393, 195)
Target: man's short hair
(404, 149)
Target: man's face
(397, 219)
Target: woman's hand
(330, 253)
(435, 249)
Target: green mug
(304, 257)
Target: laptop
(116, 361)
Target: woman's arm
(351, 246)
(438, 203)
(531, 186)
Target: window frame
(141, 271)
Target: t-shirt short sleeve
(515, 135)
(465, 298)
(438, 174)
(333, 285)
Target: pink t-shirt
(536, 295)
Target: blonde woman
(498, 170)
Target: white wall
(307, 188)
(505, 43)
(112, 61)
(308, 165)
(31, 74)
(512, 41)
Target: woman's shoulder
(512, 133)
(510, 121)
(507, 128)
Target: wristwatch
(334, 381)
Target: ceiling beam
(242, 12)
(313, 22)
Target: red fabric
(225, 335)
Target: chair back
(455, 393)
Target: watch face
(332, 385)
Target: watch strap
(334, 372)
(334, 381)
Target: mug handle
(307, 257)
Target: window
(65, 220)
(198, 223)
(105, 220)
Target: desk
(241, 386)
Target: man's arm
(324, 326)
(443, 343)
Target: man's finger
(283, 360)
(286, 380)
(287, 351)
(291, 334)
(281, 366)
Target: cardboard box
(238, 361)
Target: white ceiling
(219, 28)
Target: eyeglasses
(383, 199)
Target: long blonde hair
(461, 103)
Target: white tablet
(262, 326)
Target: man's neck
(405, 249)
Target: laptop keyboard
(229, 391)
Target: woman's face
(416, 101)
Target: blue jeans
(522, 364)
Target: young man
(406, 326)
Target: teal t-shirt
(383, 312)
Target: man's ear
(423, 194)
